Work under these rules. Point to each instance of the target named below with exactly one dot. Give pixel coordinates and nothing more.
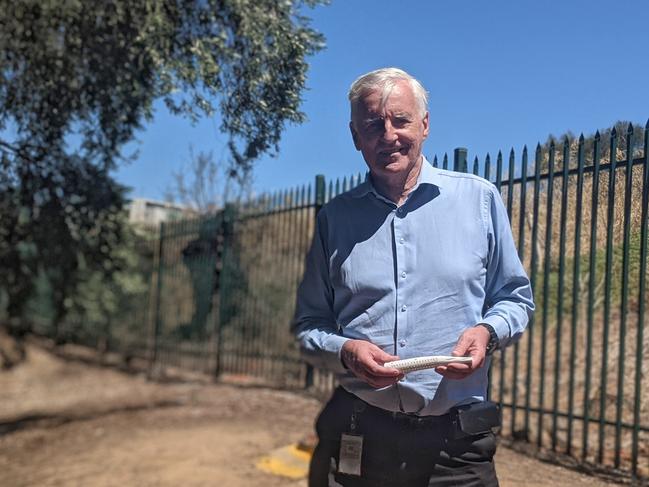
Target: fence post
(157, 324)
(319, 202)
(459, 159)
(227, 232)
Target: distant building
(149, 212)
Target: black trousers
(398, 450)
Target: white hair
(385, 79)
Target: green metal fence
(577, 383)
(223, 292)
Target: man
(415, 261)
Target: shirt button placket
(400, 261)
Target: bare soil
(72, 423)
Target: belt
(363, 409)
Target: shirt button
(402, 240)
(402, 343)
(404, 307)
(399, 210)
(403, 274)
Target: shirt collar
(427, 175)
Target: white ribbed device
(429, 362)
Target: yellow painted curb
(288, 461)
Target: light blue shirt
(411, 279)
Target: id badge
(351, 450)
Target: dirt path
(68, 423)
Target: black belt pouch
(475, 419)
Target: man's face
(390, 132)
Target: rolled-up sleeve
(508, 297)
(314, 324)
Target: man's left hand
(473, 343)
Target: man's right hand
(366, 361)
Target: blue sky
(500, 74)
